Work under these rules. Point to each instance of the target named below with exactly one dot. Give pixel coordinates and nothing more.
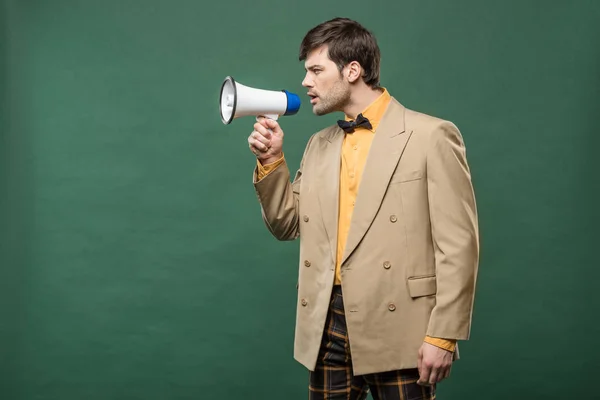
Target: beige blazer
(411, 259)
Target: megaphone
(237, 100)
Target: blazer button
(304, 302)
(305, 218)
(393, 218)
(387, 265)
(391, 307)
(306, 263)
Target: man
(384, 208)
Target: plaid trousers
(333, 378)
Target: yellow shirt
(355, 149)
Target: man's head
(341, 57)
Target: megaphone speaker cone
(228, 100)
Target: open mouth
(313, 98)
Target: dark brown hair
(347, 41)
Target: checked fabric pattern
(333, 378)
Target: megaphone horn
(237, 100)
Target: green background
(134, 262)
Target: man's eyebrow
(312, 67)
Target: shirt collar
(374, 112)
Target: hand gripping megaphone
(237, 100)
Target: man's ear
(353, 71)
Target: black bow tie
(349, 126)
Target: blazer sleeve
(279, 198)
(455, 233)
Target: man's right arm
(279, 198)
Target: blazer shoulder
(427, 125)
(422, 121)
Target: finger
(261, 139)
(424, 374)
(443, 376)
(256, 147)
(419, 361)
(263, 130)
(435, 372)
(447, 374)
(259, 147)
(258, 140)
(272, 125)
(252, 148)
(253, 142)
(444, 371)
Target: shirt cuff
(446, 344)
(264, 170)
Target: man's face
(327, 88)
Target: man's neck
(361, 99)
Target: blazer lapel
(387, 147)
(329, 157)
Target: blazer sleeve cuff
(264, 170)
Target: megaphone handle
(274, 117)
(270, 116)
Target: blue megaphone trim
(293, 103)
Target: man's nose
(306, 82)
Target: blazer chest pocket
(419, 286)
(409, 176)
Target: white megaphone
(238, 100)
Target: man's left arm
(456, 243)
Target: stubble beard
(336, 100)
